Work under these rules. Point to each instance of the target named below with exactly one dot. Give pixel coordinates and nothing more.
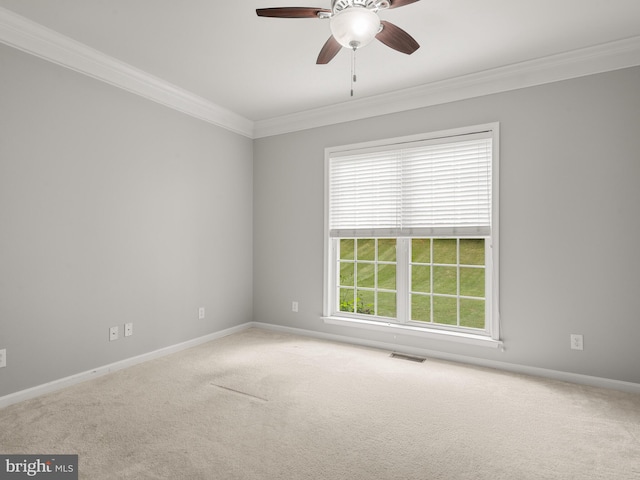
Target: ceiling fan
(354, 24)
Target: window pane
(421, 308)
(346, 248)
(366, 275)
(472, 282)
(366, 249)
(368, 280)
(471, 313)
(444, 251)
(445, 310)
(387, 250)
(445, 280)
(346, 299)
(387, 304)
(472, 251)
(421, 278)
(365, 302)
(421, 250)
(346, 273)
(387, 276)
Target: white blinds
(440, 187)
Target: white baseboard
(113, 367)
(509, 367)
(129, 362)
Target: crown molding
(587, 61)
(31, 37)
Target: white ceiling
(261, 68)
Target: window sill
(398, 329)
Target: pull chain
(353, 68)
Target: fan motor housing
(375, 5)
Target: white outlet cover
(201, 313)
(577, 341)
(3, 358)
(113, 334)
(128, 329)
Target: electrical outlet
(128, 329)
(577, 342)
(201, 313)
(113, 334)
(3, 357)
(294, 306)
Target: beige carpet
(262, 405)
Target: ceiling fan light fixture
(355, 27)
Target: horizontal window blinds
(436, 188)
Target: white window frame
(490, 336)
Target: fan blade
(329, 50)
(291, 12)
(401, 3)
(396, 38)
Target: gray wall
(113, 209)
(569, 213)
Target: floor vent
(411, 358)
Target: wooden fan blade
(401, 3)
(291, 12)
(396, 38)
(329, 50)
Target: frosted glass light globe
(355, 27)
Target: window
(411, 234)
